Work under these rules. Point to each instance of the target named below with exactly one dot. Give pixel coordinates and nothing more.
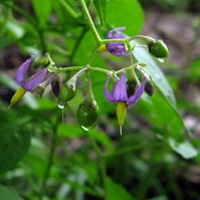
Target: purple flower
(33, 81)
(119, 96)
(119, 92)
(116, 48)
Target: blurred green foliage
(150, 161)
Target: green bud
(158, 49)
(87, 113)
(67, 93)
(131, 87)
(149, 88)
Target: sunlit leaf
(127, 14)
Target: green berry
(87, 114)
(158, 49)
(66, 93)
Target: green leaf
(185, 149)
(8, 194)
(115, 191)
(14, 140)
(42, 10)
(157, 75)
(127, 14)
(101, 8)
(161, 109)
(74, 131)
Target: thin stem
(105, 71)
(91, 24)
(49, 161)
(127, 68)
(64, 69)
(71, 68)
(69, 9)
(104, 41)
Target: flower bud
(131, 86)
(55, 86)
(158, 49)
(149, 88)
(87, 113)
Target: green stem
(49, 162)
(91, 24)
(69, 9)
(104, 41)
(65, 69)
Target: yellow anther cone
(121, 111)
(17, 96)
(102, 48)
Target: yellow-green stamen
(121, 110)
(17, 96)
(102, 48)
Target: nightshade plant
(130, 82)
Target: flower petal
(105, 91)
(111, 34)
(21, 72)
(35, 80)
(138, 92)
(119, 92)
(117, 49)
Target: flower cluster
(121, 94)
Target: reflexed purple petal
(117, 49)
(35, 80)
(21, 72)
(119, 92)
(107, 94)
(111, 34)
(138, 92)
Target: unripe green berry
(87, 113)
(158, 49)
(66, 93)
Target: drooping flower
(116, 48)
(27, 85)
(119, 95)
